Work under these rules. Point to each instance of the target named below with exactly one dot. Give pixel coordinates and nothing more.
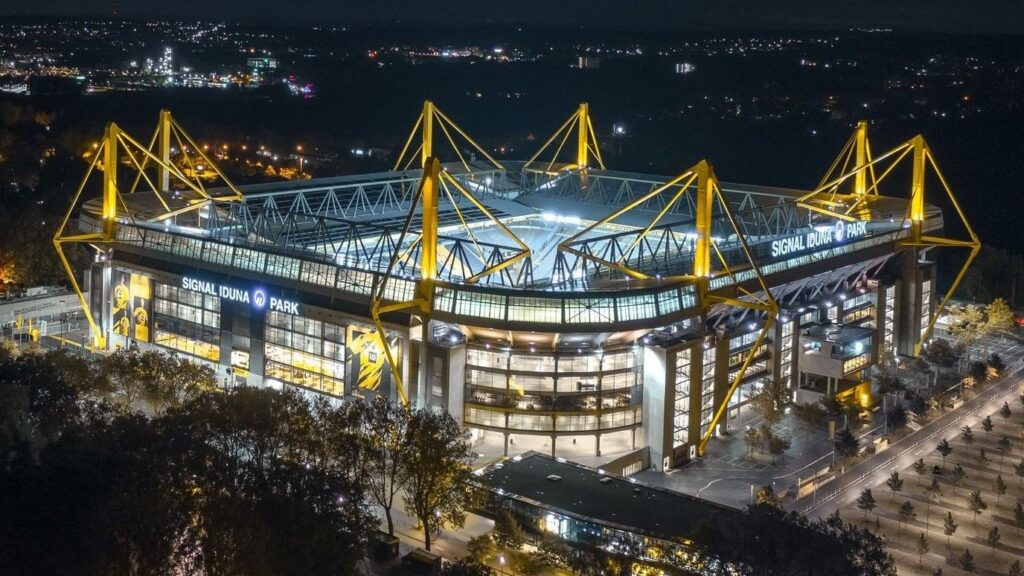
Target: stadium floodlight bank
(551, 304)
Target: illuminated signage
(256, 297)
(819, 237)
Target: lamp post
(301, 163)
(501, 562)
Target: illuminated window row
(554, 423)
(855, 363)
(681, 411)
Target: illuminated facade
(555, 306)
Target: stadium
(549, 304)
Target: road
(875, 469)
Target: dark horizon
(955, 16)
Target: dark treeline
(251, 481)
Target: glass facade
(889, 326)
(707, 389)
(926, 305)
(681, 419)
(526, 391)
(305, 352)
(187, 321)
(786, 351)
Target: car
(936, 469)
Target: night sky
(983, 16)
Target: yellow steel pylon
(586, 142)
(432, 117)
(825, 199)
(118, 146)
(855, 162)
(433, 183)
(701, 179)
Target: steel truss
(426, 247)
(117, 147)
(586, 143)
(827, 200)
(700, 183)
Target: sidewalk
(450, 543)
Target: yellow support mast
(119, 147)
(830, 198)
(426, 199)
(827, 199)
(922, 160)
(431, 117)
(586, 142)
(701, 178)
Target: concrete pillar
(658, 405)
(597, 443)
(553, 438)
(505, 451)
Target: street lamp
(299, 148)
(501, 561)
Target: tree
(480, 548)
(752, 438)
(1000, 487)
(976, 505)
(982, 458)
(920, 469)
(967, 435)
(1003, 447)
(555, 550)
(998, 316)
(466, 568)
(219, 485)
(996, 362)
(1005, 411)
(966, 561)
(828, 546)
(978, 372)
(986, 424)
(896, 417)
(777, 445)
(384, 428)
(866, 501)
(438, 458)
(945, 450)
(1015, 569)
(845, 443)
(958, 477)
(895, 484)
(949, 526)
(1018, 469)
(993, 538)
(507, 532)
(1018, 516)
(931, 492)
(940, 351)
(770, 401)
(811, 414)
(890, 384)
(966, 323)
(766, 495)
(922, 547)
(906, 512)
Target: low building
(586, 506)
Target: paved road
(875, 469)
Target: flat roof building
(586, 506)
